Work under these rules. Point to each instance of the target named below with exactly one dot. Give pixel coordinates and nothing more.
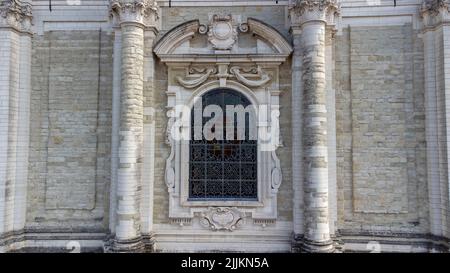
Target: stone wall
(380, 124)
(69, 166)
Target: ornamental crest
(221, 218)
(222, 32)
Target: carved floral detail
(140, 11)
(16, 14)
(221, 218)
(308, 10)
(434, 6)
(301, 6)
(434, 12)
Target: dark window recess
(223, 169)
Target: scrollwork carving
(221, 218)
(243, 27)
(197, 81)
(202, 29)
(264, 77)
(170, 171)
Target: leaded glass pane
(223, 169)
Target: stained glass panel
(223, 169)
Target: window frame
(182, 211)
(185, 163)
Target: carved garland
(265, 78)
(196, 81)
(193, 80)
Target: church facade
(343, 144)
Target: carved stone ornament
(135, 11)
(262, 76)
(222, 32)
(435, 12)
(170, 171)
(221, 218)
(16, 14)
(309, 10)
(434, 6)
(251, 77)
(196, 77)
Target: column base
(142, 244)
(339, 245)
(302, 245)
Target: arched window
(225, 168)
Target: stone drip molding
(142, 12)
(16, 14)
(302, 11)
(250, 77)
(435, 12)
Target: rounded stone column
(310, 17)
(132, 17)
(15, 91)
(131, 132)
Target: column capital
(140, 12)
(303, 11)
(435, 12)
(16, 14)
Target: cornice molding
(16, 14)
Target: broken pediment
(222, 35)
